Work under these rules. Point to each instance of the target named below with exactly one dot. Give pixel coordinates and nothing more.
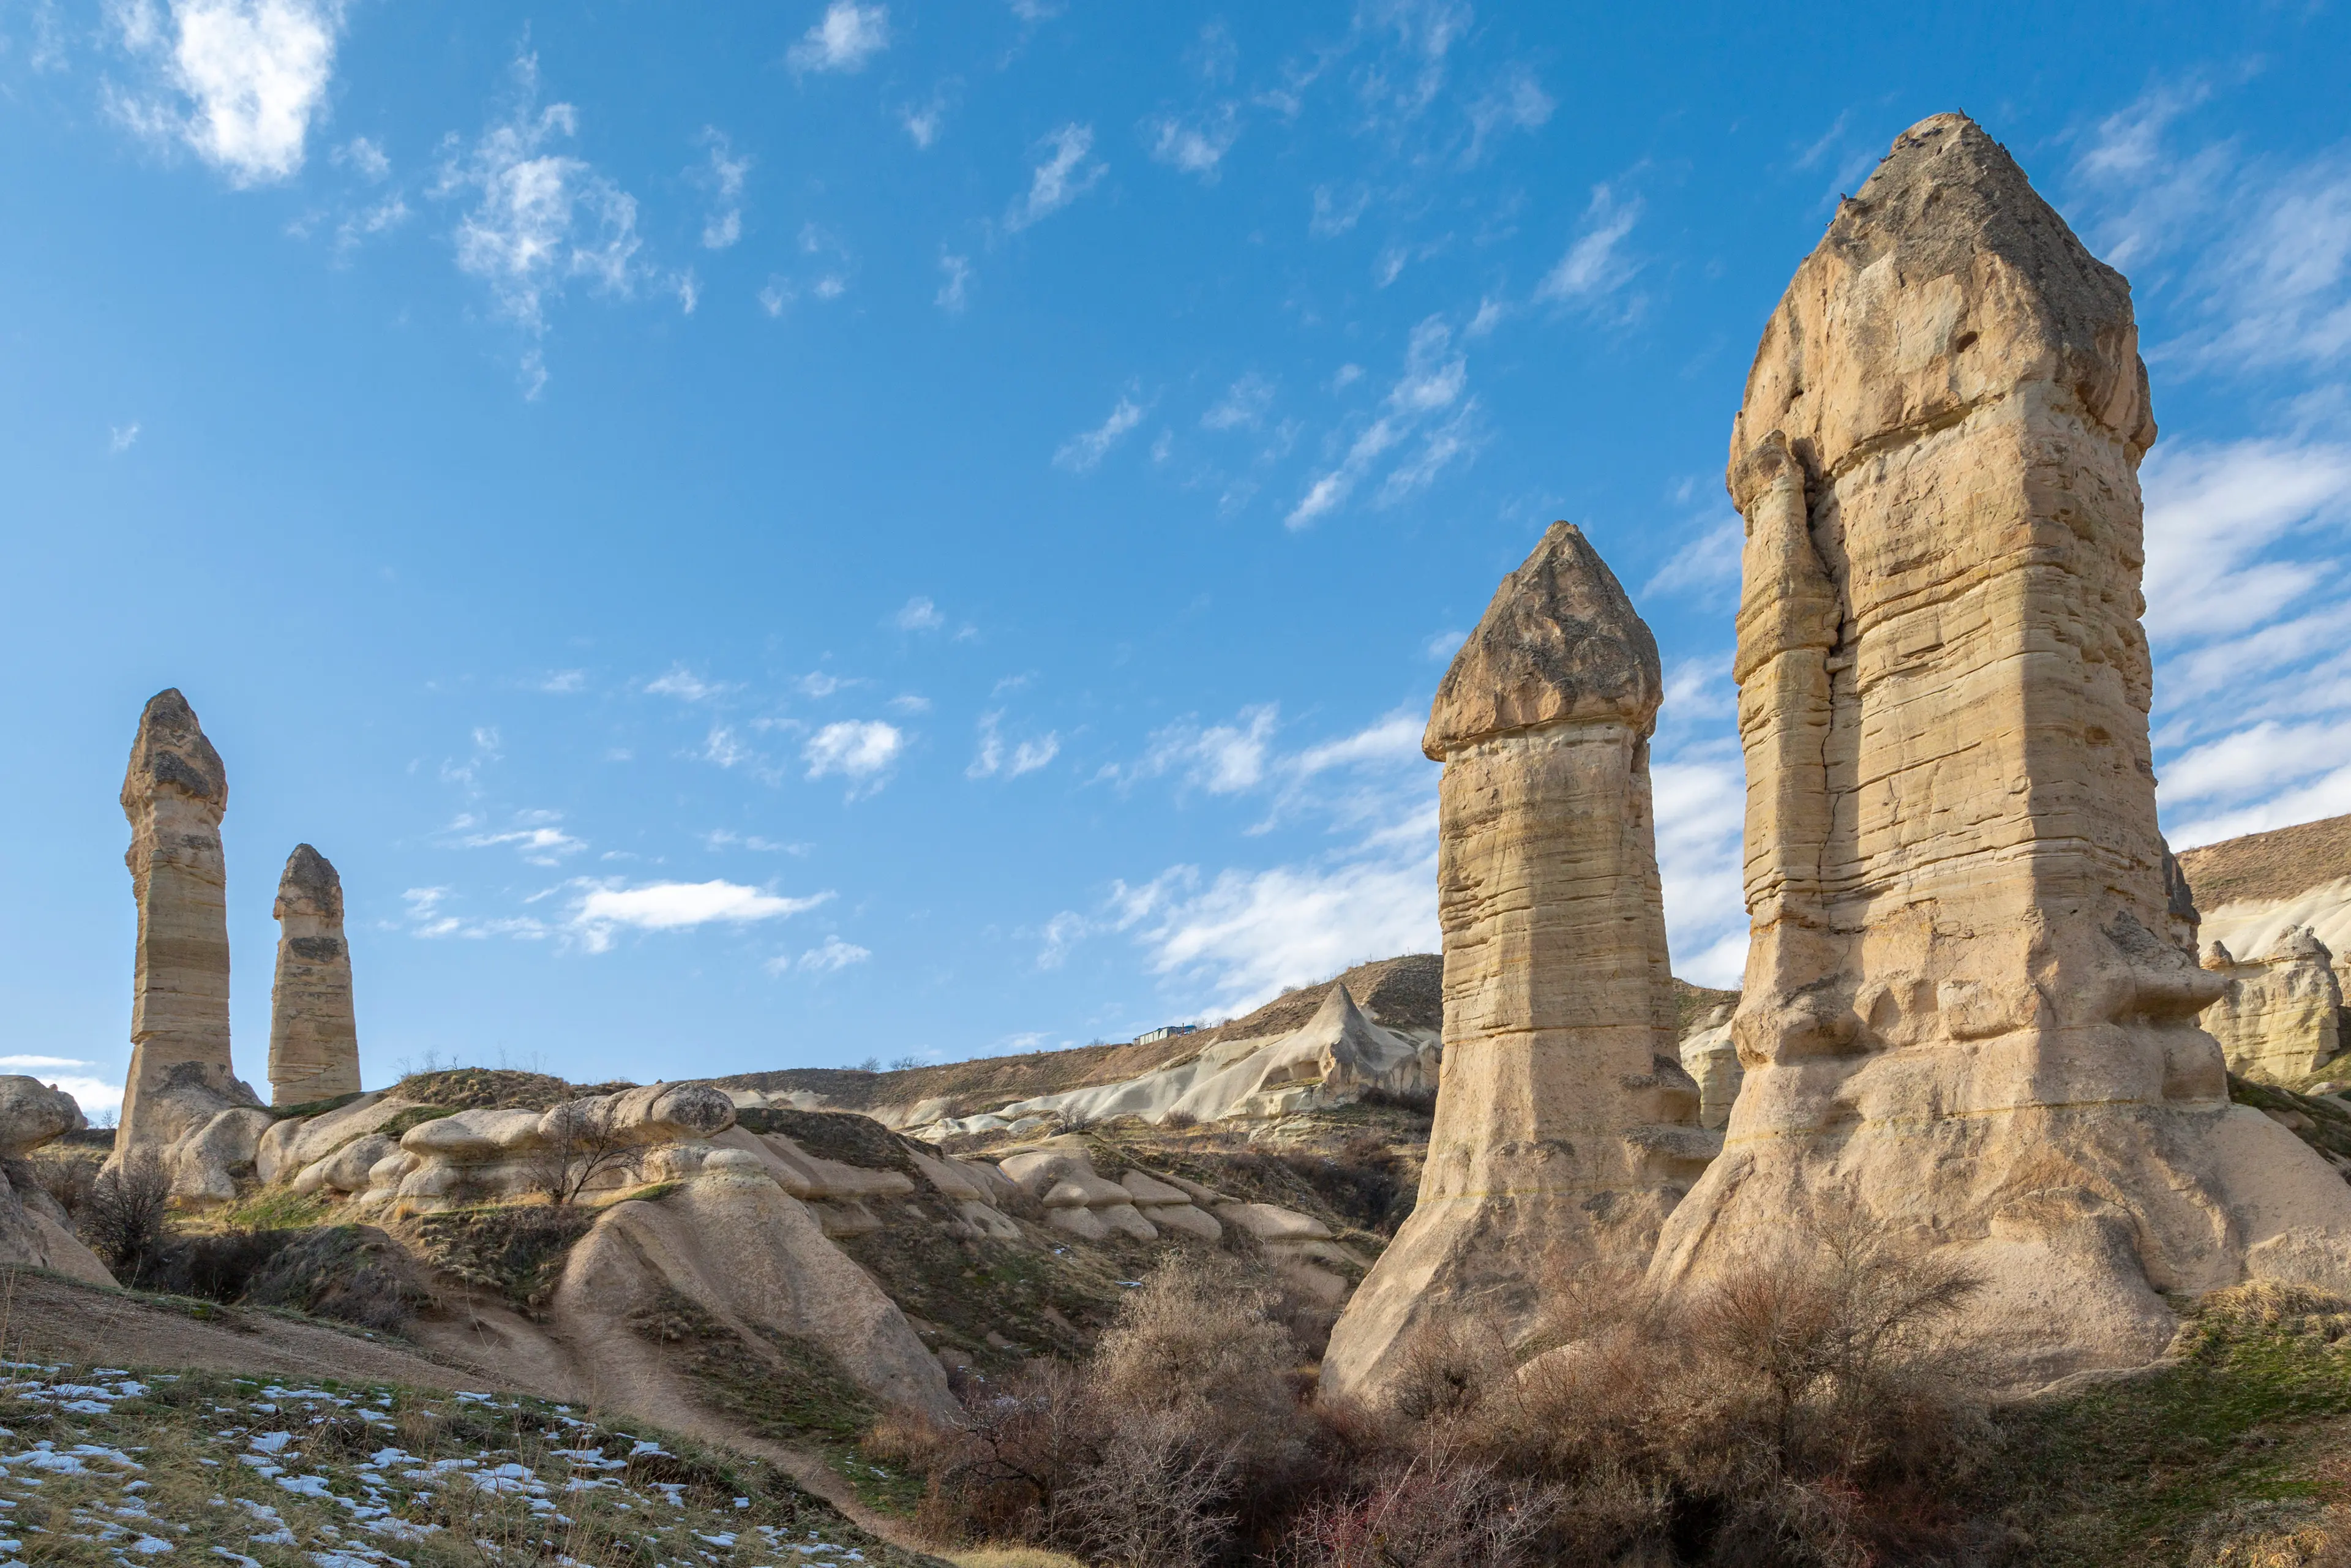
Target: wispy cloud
(1066, 172)
(1516, 101)
(535, 835)
(955, 293)
(1704, 568)
(1081, 452)
(120, 438)
(602, 911)
(1595, 269)
(1196, 146)
(918, 614)
(844, 39)
(239, 81)
(861, 750)
(1243, 407)
(832, 957)
(1435, 379)
(995, 759)
(723, 175)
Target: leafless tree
(1151, 1498)
(581, 1144)
(122, 1219)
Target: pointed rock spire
(314, 1052)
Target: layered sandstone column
(1565, 1127)
(314, 1045)
(1969, 1016)
(174, 794)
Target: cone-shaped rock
(173, 794)
(1969, 1020)
(314, 1044)
(1565, 1129)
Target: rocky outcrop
(313, 1042)
(1710, 1057)
(2255, 890)
(1965, 1018)
(1566, 1131)
(1332, 1060)
(34, 1231)
(2281, 1019)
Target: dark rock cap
(1560, 643)
(171, 753)
(310, 885)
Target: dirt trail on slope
(472, 1344)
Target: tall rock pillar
(314, 1047)
(174, 794)
(1565, 1127)
(1970, 1019)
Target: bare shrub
(581, 1143)
(1439, 1510)
(1151, 1497)
(1179, 1121)
(122, 1219)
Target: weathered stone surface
(1566, 1128)
(2253, 890)
(33, 1114)
(2281, 1018)
(1710, 1057)
(173, 794)
(314, 1039)
(1965, 1017)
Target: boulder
(2281, 1019)
(32, 1114)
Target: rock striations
(1566, 1130)
(314, 1049)
(1967, 1017)
(174, 794)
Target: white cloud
(1062, 933)
(1445, 644)
(247, 79)
(1594, 266)
(534, 835)
(120, 438)
(676, 906)
(686, 686)
(538, 218)
(819, 683)
(1249, 935)
(563, 682)
(1195, 147)
(1701, 809)
(1223, 759)
(1335, 213)
(834, 956)
(1516, 102)
(1082, 451)
(2212, 510)
(365, 157)
(956, 292)
(1065, 174)
(923, 122)
(1243, 406)
(855, 748)
(994, 759)
(725, 176)
(1705, 566)
(918, 614)
(1434, 377)
(847, 36)
(431, 918)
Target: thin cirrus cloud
(1083, 452)
(844, 39)
(1196, 146)
(723, 174)
(1067, 172)
(601, 912)
(1595, 267)
(1429, 400)
(995, 759)
(240, 82)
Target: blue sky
(779, 535)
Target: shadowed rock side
(1567, 1129)
(173, 794)
(33, 1230)
(314, 1045)
(1967, 1015)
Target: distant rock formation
(1331, 1060)
(1566, 1131)
(1966, 1020)
(2252, 891)
(2281, 1019)
(1711, 1057)
(180, 1077)
(34, 1230)
(314, 1045)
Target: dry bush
(1439, 1510)
(122, 1219)
(1151, 1497)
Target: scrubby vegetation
(98, 1466)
